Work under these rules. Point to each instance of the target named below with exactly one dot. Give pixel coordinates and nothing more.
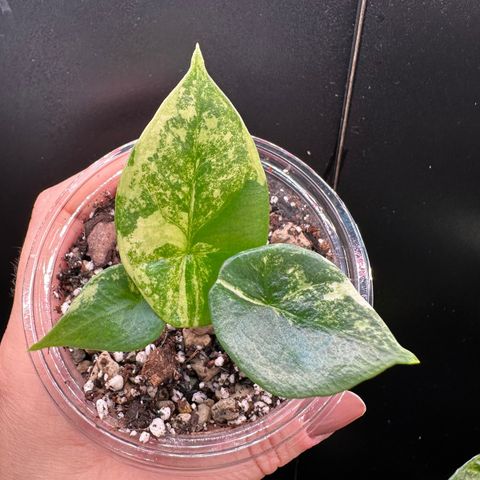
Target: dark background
(78, 78)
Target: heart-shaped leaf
(469, 471)
(108, 314)
(294, 324)
(193, 194)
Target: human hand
(36, 442)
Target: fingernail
(349, 407)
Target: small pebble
(245, 405)
(184, 417)
(149, 349)
(266, 399)
(118, 356)
(165, 413)
(64, 307)
(88, 265)
(176, 396)
(115, 383)
(106, 364)
(196, 339)
(102, 408)
(199, 397)
(152, 391)
(243, 390)
(203, 412)
(261, 407)
(203, 330)
(88, 386)
(101, 241)
(223, 393)
(238, 421)
(180, 357)
(141, 357)
(219, 361)
(157, 427)
(78, 355)
(165, 403)
(144, 437)
(131, 356)
(183, 406)
(225, 410)
(203, 372)
(84, 366)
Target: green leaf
(469, 471)
(108, 314)
(295, 325)
(193, 194)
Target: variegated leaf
(192, 194)
(108, 314)
(294, 323)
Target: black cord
(352, 69)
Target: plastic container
(185, 456)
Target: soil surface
(184, 382)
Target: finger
(348, 408)
(305, 432)
(42, 215)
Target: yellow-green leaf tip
(414, 360)
(197, 57)
(408, 358)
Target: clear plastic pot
(185, 456)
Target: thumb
(328, 415)
(347, 408)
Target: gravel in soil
(184, 382)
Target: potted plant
(192, 222)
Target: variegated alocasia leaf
(294, 324)
(468, 471)
(192, 194)
(108, 314)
